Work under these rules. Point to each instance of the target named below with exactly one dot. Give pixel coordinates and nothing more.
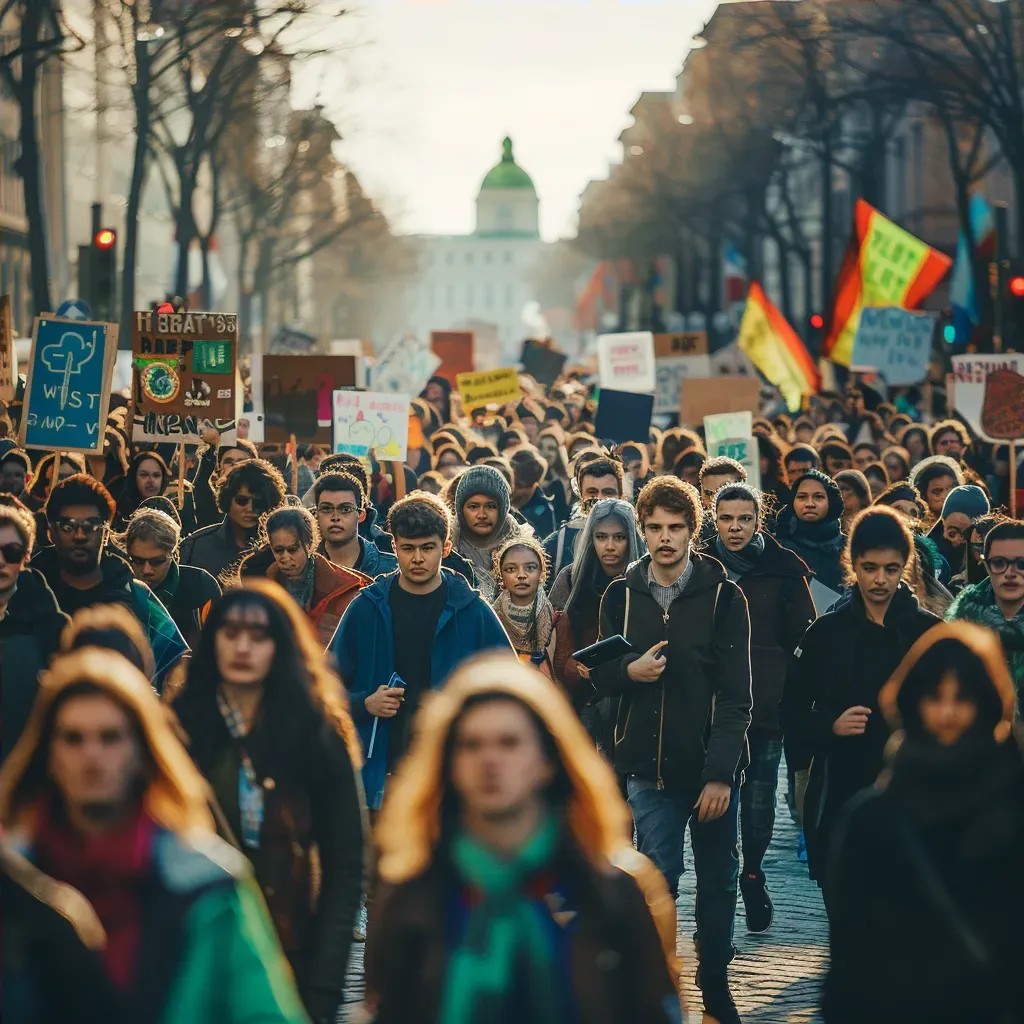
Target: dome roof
(507, 174)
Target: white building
(483, 281)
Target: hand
(648, 668)
(211, 437)
(385, 702)
(713, 801)
(583, 670)
(852, 722)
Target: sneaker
(801, 848)
(718, 1001)
(756, 902)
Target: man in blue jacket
(418, 623)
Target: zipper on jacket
(661, 719)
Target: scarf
(504, 961)
(481, 555)
(530, 628)
(826, 536)
(739, 563)
(250, 792)
(301, 587)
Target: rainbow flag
(884, 266)
(776, 350)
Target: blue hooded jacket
(364, 647)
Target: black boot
(756, 902)
(718, 1001)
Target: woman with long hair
(557, 481)
(269, 728)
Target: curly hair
(875, 528)
(673, 495)
(420, 515)
(79, 489)
(299, 520)
(521, 542)
(263, 481)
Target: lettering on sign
(1002, 414)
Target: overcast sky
(425, 90)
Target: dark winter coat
(214, 549)
(690, 727)
(539, 512)
(560, 546)
(820, 550)
(187, 593)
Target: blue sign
(74, 309)
(68, 386)
(896, 342)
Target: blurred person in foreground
(924, 874)
(120, 904)
(511, 891)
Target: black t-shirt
(414, 620)
(71, 599)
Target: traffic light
(97, 274)
(1013, 308)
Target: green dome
(508, 174)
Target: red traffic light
(105, 238)
(817, 321)
(1016, 286)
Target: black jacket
(213, 548)
(539, 512)
(185, 593)
(690, 727)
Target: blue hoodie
(364, 647)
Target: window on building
(450, 296)
(488, 296)
(469, 296)
(510, 295)
(506, 218)
(469, 259)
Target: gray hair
(153, 527)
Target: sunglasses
(155, 563)
(244, 500)
(998, 565)
(12, 553)
(87, 526)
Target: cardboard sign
(372, 423)
(711, 395)
(8, 357)
(67, 389)
(731, 434)
(489, 387)
(456, 350)
(183, 379)
(298, 396)
(678, 357)
(896, 342)
(543, 364)
(1002, 413)
(405, 368)
(623, 416)
(625, 362)
(970, 373)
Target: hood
(707, 572)
(460, 593)
(176, 796)
(32, 603)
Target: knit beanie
(966, 499)
(484, 480)
(835, 497)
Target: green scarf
(505, 952)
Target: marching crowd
(261, 703)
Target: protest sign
(970, 373)
(298, 396)
(67, 387)
(542, 363)
(1002, 412)
(8, 357)
(625, 362)
(896, 342)
(371, 423)
(457, 352)
(706, 396)
(405, 367)
(677, 357)
(623, 416)
(731, 434)
(489, 387)
(183, 379)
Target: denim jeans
(661, 817)
(757, 797)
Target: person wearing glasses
(963, 505)
(340, 505)
(245, 492)
(151, 542)
(83, 569)
(998, 601)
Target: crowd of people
(260, 704)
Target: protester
(119, 901)
(511, 890)
(15, 473)
(801, 459)
(215, 461)
(774, 582)
(903, 497)
(975, 571)
(151, 543)
(962, 506)
(146, 478)
(949, 438)
(522, 606)
(835, 457)
(926, 906)
(864, 454)
(527, 496)
(418, 625)
(688, 678)
(897, 463)
(830, 707)
(716, 473)
(111, 627)
(340, 506)
(934, 478)
(856, 495)
(448, 459)
(811, 527)
(877, 477)
(774, 477)
(558, 479)
(268, 727)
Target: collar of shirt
(666, 595)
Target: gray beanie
(484, 480)
(966, 499)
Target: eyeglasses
(998, 565)
(12, 553)
(336, 511)
(154, 563)
(87, 526)
(243, 501)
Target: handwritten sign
(678, 357)
(1002, 414)
(183, 376)
(298, 395)
(405, 368)
(489, 387)
(8, 357)
(68, 385)
(625, 362)
(731, 434)
(970, 374)
(896, 342)
(372, 423)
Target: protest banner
(183, 376)
(895, 342)
(8, 356)
(678, 357)
(543, 363)
(731, 434)
(67, 386)
(298, 396)
(625, 362)
(623, 416)
(970, 373)
(405, 367)
(707, 396)
(371, 423)
(1002, 417)
(489, 387)
(457, 352)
